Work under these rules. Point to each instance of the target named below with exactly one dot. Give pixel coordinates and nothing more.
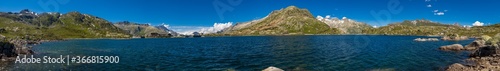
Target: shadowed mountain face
(145, 30)
(288, 21)
(56, 25)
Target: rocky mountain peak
(25, 11)
(291, 8)
(291, 11)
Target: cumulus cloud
(439, 13)
(217, 27)
(477, 23)
(319, 17)
(429, 5)
(188, 30)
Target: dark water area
(255, 53)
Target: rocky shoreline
(11, 48)
(485, 55)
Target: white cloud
(477, 23)
(217, 27)
(188, 30)
(344, 18)
(429, 5)
(435, 11)
(439, 13)
(427, 0)
(327, 17)
(319, 17)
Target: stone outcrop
(2, 37)
(272, 69)
(455, 37)
(475, 44)
(14, 48)
(455, 47)
(486, 58)
(486, 51)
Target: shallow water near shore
(323, 52)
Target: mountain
(422, 22)
(57, 26)
(165, 28)
(144, 30)
(287, 21)
(416, 27)
(427, 27)
(345, 25)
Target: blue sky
(202, 13)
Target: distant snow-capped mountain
(166, 28)
(346, 25)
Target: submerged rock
(426, 39)
(452, 47)
(272, 69)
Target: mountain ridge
(286, 21)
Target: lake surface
(255, 53)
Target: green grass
(73, 25)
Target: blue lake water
(255, 53)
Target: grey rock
(455, 47)
(271, 68)
(475, 45)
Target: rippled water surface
(338, 52)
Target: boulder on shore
(486, 51)
(2, 37)
(486, 58)
(13, 48)
(455, 47)
(458, 67)
(272, 69)
(475, 45)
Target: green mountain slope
(57, 26)
(425, 27)
(288, 21)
